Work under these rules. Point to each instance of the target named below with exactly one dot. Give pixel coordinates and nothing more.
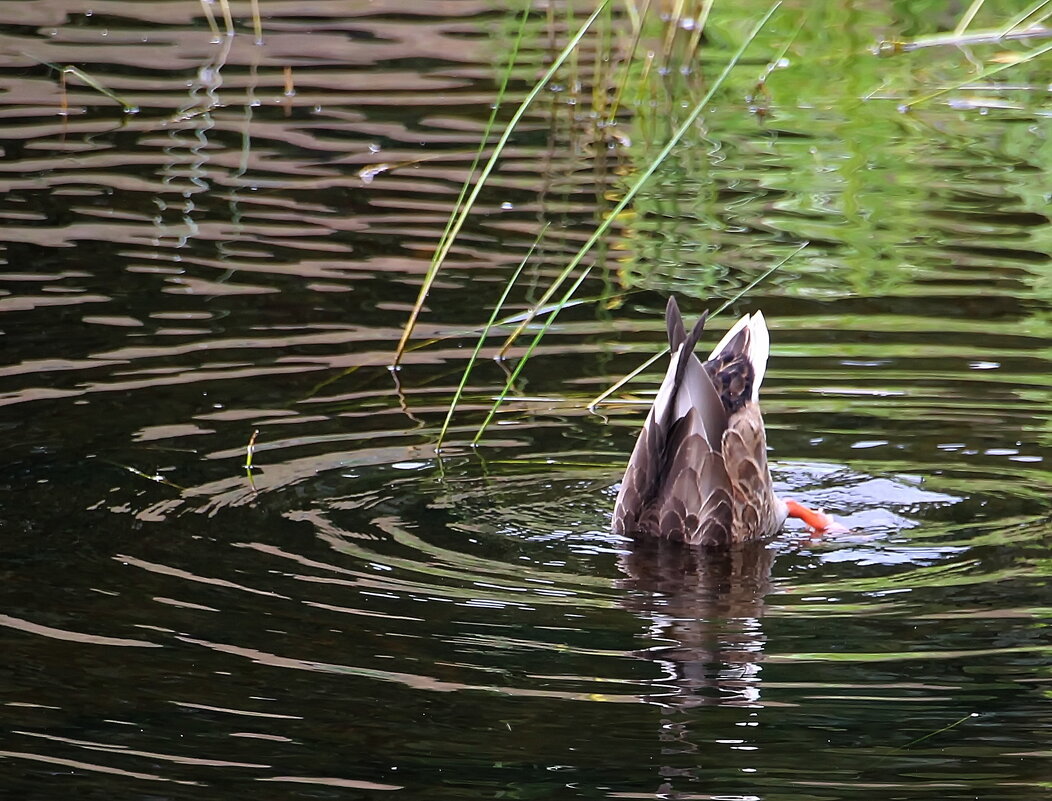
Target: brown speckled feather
(758, 512)
(698, 472)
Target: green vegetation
(650, 88)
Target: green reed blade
(228, 16)
(637, 33)
(484, 334)
(94, 83)
(1026, 57)
(210, 16)
(257, 22)
(968, 16)
(157, 478)
(551, 291)
(461, 213)
(445, 239)
(956, 723)
(720, 309)
(250, 451)
(959, 38)
(601, 230)
(1023, 16)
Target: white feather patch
(738, 326)
(759, 350)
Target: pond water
(368, 617)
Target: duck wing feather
(758, 512)
(675, 484)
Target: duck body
(698, 472)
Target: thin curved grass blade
(462, 211)
(1030, 55)
(601, 230)
(484, 334)
(722, 308)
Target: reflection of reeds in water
(228, 18)
(708, 603)
(192, 158)
(611, 57)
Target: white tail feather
(759, 349)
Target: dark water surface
(369, 620)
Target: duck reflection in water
(707, 604)
(698, 503)
(703, 608)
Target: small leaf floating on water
(371, 171)
(156, 477)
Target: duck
(698, 472)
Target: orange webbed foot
(818, 522)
